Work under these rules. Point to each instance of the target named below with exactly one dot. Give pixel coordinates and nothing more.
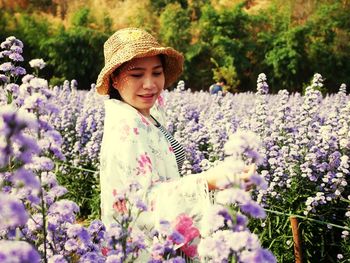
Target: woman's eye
(158, 73)
(136, 75)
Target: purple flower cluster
(11, 53)
(31, 208)
(226, 235)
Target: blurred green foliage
(284, 41)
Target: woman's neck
(146, 113)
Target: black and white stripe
(177, 147)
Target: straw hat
(129, 43)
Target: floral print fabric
(134, 150)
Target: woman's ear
(114, 81)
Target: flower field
(49, 146)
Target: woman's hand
(248, 171)
(219, 177)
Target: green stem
(44, 217)
(309, 219)
(77, 168)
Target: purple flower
(35, 102)
(12, 87)
(226, 215)
(241, 222)
(71, 245)
(118, 258)
(233, 196)
(141, 205)
(65, 209)
(91, 257)
(258, 180)
(254, 209)
(16, 57)
(3, 79)
(79, 231)
(35, 222)
(42, 163)
(27, 78)
(175, 260)
(18, 251)
(176, 237)
(25, 178)
(257, 256)
(7, 66)
(262, 86)
(56, 192)
(97, 230)
(18, 71)
(57, 259)
(5, 53)
(12, 212)
(16, 49)
(49, 179)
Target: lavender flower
(12, 212)
(257, 256)
(18, 251)
(18, 71)
(6, 67)
(57, 259)
(262, 86)
(15, 56)
(3, 79)
(65, 209)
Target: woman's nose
(149, 83)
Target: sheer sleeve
(133, 150)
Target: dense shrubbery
(286, 42)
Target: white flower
(38, 83)
(37, 63)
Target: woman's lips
(147, 97)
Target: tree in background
(221, 47)
(76, 53)
(328, 46)
(288, 40)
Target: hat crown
(129, 43)
(128, 37)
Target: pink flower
(183, 222)
(104, 251)
(136, 131)
(184, 225)
(171, 149)
(120, 207)
(190, 250)
(120, 204)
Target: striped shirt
(175, 145)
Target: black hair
(223, 80)
(112, 91)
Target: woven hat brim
(173, 66)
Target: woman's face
(140, 82)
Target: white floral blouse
(133, 149)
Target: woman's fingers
(245, 177)
(248, 171)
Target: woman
(135, 146)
